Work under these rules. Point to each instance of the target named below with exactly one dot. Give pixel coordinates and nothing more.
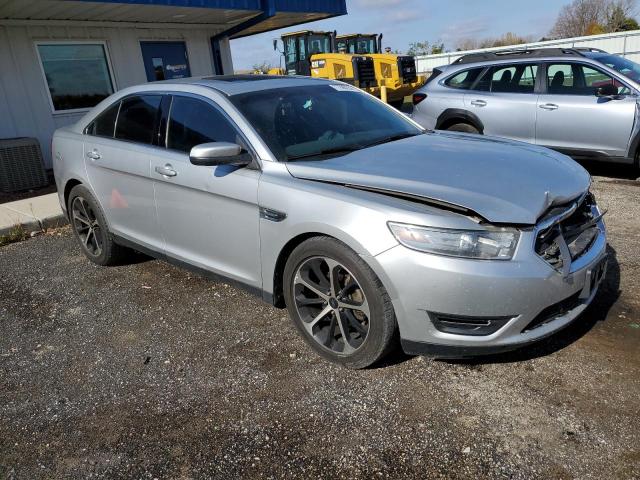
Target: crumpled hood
(501, 180)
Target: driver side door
(208, 215)
(571, 118)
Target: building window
(77, 74)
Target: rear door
(208, 215)
(505, 101)
(118, 148)
(573, 119)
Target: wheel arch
(72, 182)
(277, 298)
(451, 116)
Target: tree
(425, 48)
(620, 16)
(263, 67)
(590, 17)
(504, 40)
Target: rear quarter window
(463, 80)
(104, 124)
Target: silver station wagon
(370, 230)
(580, 101)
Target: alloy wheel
(86, 226)
(331, 304)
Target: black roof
(524, 53)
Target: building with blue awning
(58, 58)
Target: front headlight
(499, 244)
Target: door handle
(549, 106)
(479, 103)
(166, 171)
(94, 155)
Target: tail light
(418, 97)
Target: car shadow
(607, 295)
(612, 170)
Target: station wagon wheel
(331, 304)
(87, 226)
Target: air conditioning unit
(21, 165)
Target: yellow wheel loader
(396, 72)
(313, 54)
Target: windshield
(626, 67)
(317, 120)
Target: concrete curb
(32, 214)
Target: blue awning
(234, 18)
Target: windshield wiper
(327, 151)
(392, 138)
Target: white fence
(626, 44)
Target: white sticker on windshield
(344, 88)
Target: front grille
(554, 311)
(407, 69)
(567, 239)
(364, 72)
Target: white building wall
(626, 44)
(25, 108)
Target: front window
(313, 121)
(626, 67)
(578, 79)
(193, 122)
(77, 75)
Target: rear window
(137, 118)
(515, 78)
(464, 80)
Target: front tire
(463, 127)
(89, 226)
(338, 304)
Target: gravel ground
(146, 371)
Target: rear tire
(90, 228)
(338, 304)
(463, 127)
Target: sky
(406, 21)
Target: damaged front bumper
(454, 307)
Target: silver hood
(503, 181)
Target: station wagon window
(463, 80)
(193, 122)
(105, 124)
(138, 118)
(578, 79)
(77, 75)
(515, 78)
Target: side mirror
(608, 90)
(275, 44)
(219, 153)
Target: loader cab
(359, 43)
(299, 46)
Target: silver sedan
(318, 197)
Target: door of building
(165, 60)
